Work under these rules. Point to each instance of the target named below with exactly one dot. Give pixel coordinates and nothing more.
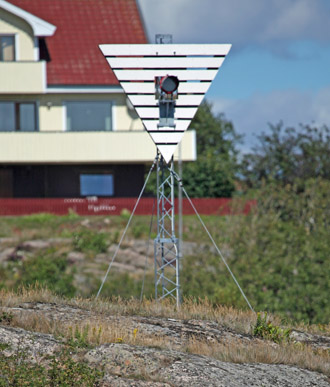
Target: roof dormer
(40, 27)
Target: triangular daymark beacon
(136, 67)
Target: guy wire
(211, 238)
(147, 250)
(128, 223)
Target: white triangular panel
(167, 151)
(137, 65)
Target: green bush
(49, 271)
(288, 155)
(90, 241)
(267, 330)
(279, 254)
(126, 286)
(17, 370)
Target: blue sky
(279, 66)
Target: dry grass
(28, 294)
(99, 330)
(317, 329)
(235, 319)
(95, 331)
(265, 352)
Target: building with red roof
(80, 27)
(66, 128)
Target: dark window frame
(14, 47)
(17, 115)
(77, 102)
(90, 174)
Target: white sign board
(137, 65)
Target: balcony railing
(22, 77)
(85, 147)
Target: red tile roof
(81, 26)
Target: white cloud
(251, 116)
(321, 107)
(299, 19)
(240, 22)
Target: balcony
(22, 77)
(85, 147)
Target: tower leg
(166, 245)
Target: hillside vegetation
(279, 253)
(47, 340)
(54, 331)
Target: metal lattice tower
(166, 245)
(166, 84)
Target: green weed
(82, 337)
(16, 370)
(266, 330)
(77, 338)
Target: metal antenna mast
(166, 245)
(150, 75)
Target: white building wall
(11, 24)
(52, 111)
(24, 80)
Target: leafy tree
(286, 155)
(279, 254)
(213, 174)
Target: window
(96, 185)
(43, 50)
(89, 116)
(7, 48)
(18, 116)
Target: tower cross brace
(166, 244)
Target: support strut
(166, 245)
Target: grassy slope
(279, 255)
(96, 327)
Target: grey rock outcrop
(129, 365)
(176, 331)
(34, 344)
(180, 369)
